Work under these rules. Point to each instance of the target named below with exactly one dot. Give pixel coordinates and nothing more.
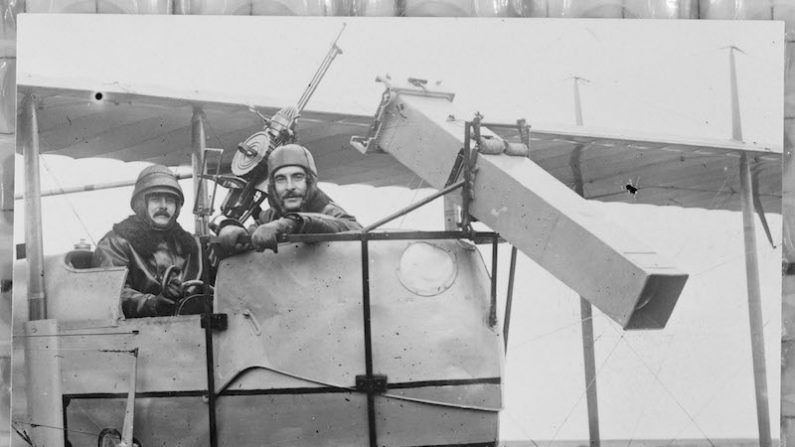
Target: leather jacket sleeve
(116, 252)
(333, 219)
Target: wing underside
(608, 167)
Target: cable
(66, 198)
(554, 331)
(34, 425)
(353, 390)
(413, 198)
(579, 399)
(665, 388)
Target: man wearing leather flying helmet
(162, 259)
(297, 205)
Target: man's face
(160, 207)
(290, 185)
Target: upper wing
(135, 127)
(656, 170)
(610, 166)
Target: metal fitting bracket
(375, 384)
(218, 322)
(369, 144)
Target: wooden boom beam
(546, 220)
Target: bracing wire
(26, 437)
(72, 208)
(525, 434)
(413, 199)
(664, 387)
(584, 392)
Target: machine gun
(248, 185)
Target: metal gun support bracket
(368, 144)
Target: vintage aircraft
(410, 352)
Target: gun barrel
(320, 73)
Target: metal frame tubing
(509, 298)
(754, 305)
(208, 348)
(198, 144)
(586, 310)
(412, 207)
(368, 341)
(477, 236)
(493, 300)
(589, 360)
(29, 131)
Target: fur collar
(145, 240)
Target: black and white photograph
(381, 231)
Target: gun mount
(250, 162)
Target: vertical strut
(588, 353)
(129, 411)
(368, 340)
(586, 310)
(509, 299)
(199, 142)
(29, 134)
(754, 305)
(208, 345)
(493, 301)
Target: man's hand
(195, 287)
(163, 305)
(173, 289)
(231, 238)
(266, 236)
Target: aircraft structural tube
(546, 220)
(199, 143)
(755, 306)
(29, 136)
(44, 382)
(589, 361)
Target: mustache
(163, 213)
(292, 195)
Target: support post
(506, 327)
(43, 369)
(754, 305)
(451, 216)
(29, 136)
(129, 411)
(198, 144)
(586, 311)
(588, 354)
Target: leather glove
(162, 305)
(230, 237)
(190, 288)
(171, 285)
(266, 236)
(173, 289)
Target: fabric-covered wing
(653, 170)
(610, 167)
(132, 127)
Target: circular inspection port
(427, 269)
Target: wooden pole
(199, 139)
(29, 135)
(586, 311)
(754, 305)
